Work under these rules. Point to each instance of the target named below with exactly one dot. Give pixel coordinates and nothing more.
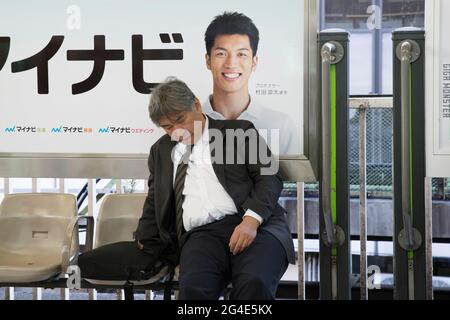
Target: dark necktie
(178, 187)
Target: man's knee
(197, 287)
(253, 286)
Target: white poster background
(114, 102)
(437, 26)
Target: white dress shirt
(205, 200)
(264, 119)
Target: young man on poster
(231, 41)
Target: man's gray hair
(170, 97)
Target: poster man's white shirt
(277, 128)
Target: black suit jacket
(243, 182)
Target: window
(370, 23)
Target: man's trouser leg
(116, 261)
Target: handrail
(331, 53)
(408, 51)
(327, 52)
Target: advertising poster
(438, 88)
(75, 76)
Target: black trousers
(207, 265)
(116, 261)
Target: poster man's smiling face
(231, 63)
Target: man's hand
(243, 235)
(140, 245)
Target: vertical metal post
(119, 186)
(362, 203)
(6, 186)
(311, 94)
(323, 11)
(64, 293)
(301, 239)
(92, 294)
(92, 198)
(120, 295)
(429, 238)
(410, 272)
(145, 186)
(377, 51)
(92, 211)
(148, 295)
(62, 185)
(9, 292)
(335, 264)
(37, 292)
(34, 185)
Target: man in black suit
(212, 206)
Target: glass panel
(346, 14)
(401, 13)
(360, 67)
(386, 63)
(355, 14)
(370, 23)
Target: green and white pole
(410, 263)
(334, 201)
